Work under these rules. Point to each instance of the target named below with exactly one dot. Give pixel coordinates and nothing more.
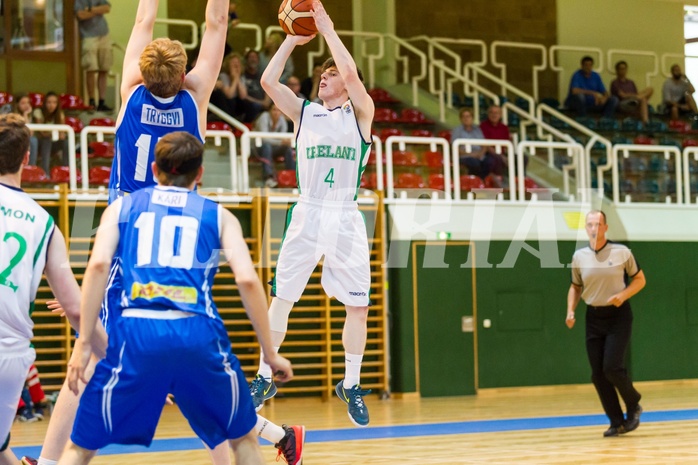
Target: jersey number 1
(176, 243)
(143, 145)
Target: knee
(357, 313)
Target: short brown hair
(14, 142)
(329, 63)
(163, 63)
(464, 110)
(178, 156)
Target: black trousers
(608, 332)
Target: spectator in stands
(51, 113)
(271, 45)
(22, 106)
(494, 128)
(257, 100)
(467, 130)
(294, 84)
(230, 91)
(631, 101)
(273, 121)
(311, 84)
(677, 94)
(97, 57)
(587, 92)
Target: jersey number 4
(330, 177)
(14, 261)
(176, 242)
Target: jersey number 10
(176, 241)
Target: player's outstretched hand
(280, 366)
(55, 307)
(299, 40)
(322, 20)
(78, 364)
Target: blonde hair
(225, 67)
(162, 64)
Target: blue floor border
(403, 431)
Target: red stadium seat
(404, 158)
(446, 134)
(679, 125)
(643, 140)
(72, 102)
(381, 96)
(5, 98)
(413, 116)
(287, 179)
(493, 181)
(75, 123)
(368, 181)
(33, 174)
(36, 99)
(102, 122)
(384, 115)
(101, 149)
(469, 182)
(436, 182)
(434, 159)
(218, 126)
(100, 175)
(528, 183)
(387, 132)
(62, 174)
(421, 133)
(690, 143)
(409, 181)
(238, 133)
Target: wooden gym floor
(539, 425)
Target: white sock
(264, 369)
(352, 369)
(43, 461)
(268, 430)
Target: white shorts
(335, 230)
(14, 368)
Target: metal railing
(183, 22)
(433, 142)
(244, 27)
(688, 152)
(535, 70)
(399, 42)
(649, 75)
(574, 151)
(56, 130)
(246, 151)
(668, 151)
(498, 145)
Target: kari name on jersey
(173, 118)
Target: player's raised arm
(201, 80)
(141, 36)
(281, 95)
(363, 103)
(251, 291)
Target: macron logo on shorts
(357, 294)
(166, 118)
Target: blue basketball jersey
(169, 248)
(147, 118)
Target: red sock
(35, 389)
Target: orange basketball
(295, 17)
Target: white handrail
(588, 132)
(483, 61)
(399, 42)
(504, 85)
(379, 162)
(687, 152)
(431, 45)
(217, 136)
(183, 22)
(99, 131)
(433, 141)
(498, 145)
(244, 26)
(572, 48)
(508, 106)
(227, 118)
(55, 130)
(536, 68)
(668, 151)
(649, 75)
(666, 69)
(574, 150)
(246, 150)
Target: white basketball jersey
(25, 231)
(331, 153)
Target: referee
(600, 275)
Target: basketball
(295, 17)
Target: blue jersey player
(170, 338)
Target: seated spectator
(294, 84)
(273, 121)
(230, 90)
(631, 101)
(677, 94)
(51, 113)
(271, 45)
(257, 100)
(587, 92)
(22, 106)
(311, 84)
(493, 128)
(467, 130)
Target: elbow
(98, 267)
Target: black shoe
(103, 107)
(633, 420)
(614, 431)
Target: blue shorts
(149, 358)
(111, 304)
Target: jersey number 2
(5, 274)
(176, 243)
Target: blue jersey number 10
(176, 241)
